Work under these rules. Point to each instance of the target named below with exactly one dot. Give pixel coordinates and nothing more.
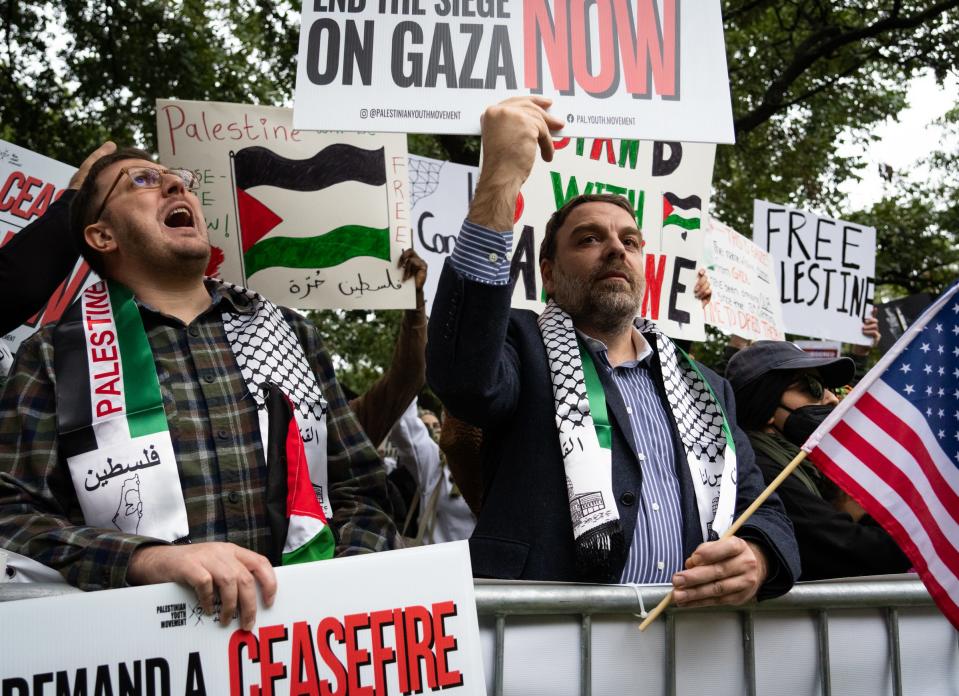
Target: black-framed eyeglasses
(148, 178)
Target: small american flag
(893, 445)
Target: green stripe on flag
(141, 388)
(319, 548)
(685, 223)
(323, 251)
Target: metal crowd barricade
(671, 651)
(889, 597)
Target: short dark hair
(547, 250)
(82, 206)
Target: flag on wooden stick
(893, 445)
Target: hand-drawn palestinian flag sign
(310, 213)
(111, 423)
(684, 213)
(298, 525)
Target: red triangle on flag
(667, 208)
(256, 220)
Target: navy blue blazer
(488, 365)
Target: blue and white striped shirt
(656, 551)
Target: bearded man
(608, 455)
(149, 436)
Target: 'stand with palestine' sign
(398, 622)
(825, 269)
(614, 68)
(310, 220)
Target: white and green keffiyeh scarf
(585, 440)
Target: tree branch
(824, 44)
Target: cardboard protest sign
(29, 183)
(825, 269)
(668, 185)
(440, 193)
(614, 68)
(393, 622)
(745, 297)
(310, 220)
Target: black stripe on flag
(683, 203)
(74, 412)
(258, 166)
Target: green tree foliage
(79, 71)
(366, 337)
(804, 73)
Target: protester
(462, 444)
(783, 395)
(859, 354)
(41, 255)
(652, 485)
(212, 356)
(443, 513)
(383, 404)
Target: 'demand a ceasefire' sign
(650, 69)
(400, 622)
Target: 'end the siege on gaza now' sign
(650, 69)
(399, 622)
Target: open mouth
(179, 217)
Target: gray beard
(609, 311)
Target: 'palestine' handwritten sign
(668, 185)
(614, 68)
(745, 297)
(825, 270)
(310, 220)
(398, 622)
(29, 183)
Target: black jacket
(488, 365)
(831, 543)
(35, 262)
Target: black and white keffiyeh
(267, 350)
(706, 441)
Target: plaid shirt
(215, 432)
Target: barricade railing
(500, 602)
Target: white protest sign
(822, 349)
(29, 183)
(745, 298)
(440, 193)
(668, 185)
(393, 622)
(310, 220)
(613, 68)
(825, 270)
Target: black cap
(762, 357)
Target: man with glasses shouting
(783, 394)
(183, 395)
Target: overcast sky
(905, 141)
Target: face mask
(801, 422)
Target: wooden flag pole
(740, 521)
